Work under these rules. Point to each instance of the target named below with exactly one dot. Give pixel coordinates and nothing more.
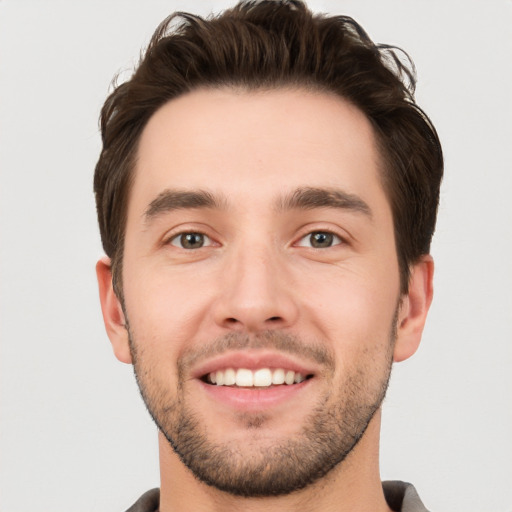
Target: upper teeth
(260, 378)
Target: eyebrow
(170, 200)
(305, 198)
(310, 198)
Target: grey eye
(191, 240)
(319, 240)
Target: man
(267, 193)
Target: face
(261, 284)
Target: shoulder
(148, 502)
(402, 497)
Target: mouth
(255, 378)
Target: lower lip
(254, 399)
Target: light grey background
(74, 432)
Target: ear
(113, 315)
(414, 308)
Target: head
(267, 193)
(269, 45)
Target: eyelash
(180, 236)
(336, 239)
(177, 239)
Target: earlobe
(414, 308)
(113, 315)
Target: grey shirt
(401, 497)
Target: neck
(354, 485)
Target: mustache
(276, 340)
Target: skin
(258, 273)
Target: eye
(320, 240)
(191, 240)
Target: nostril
(252, 324)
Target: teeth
(229, 377)
(278, 376)
(244, 377)
(263, 377)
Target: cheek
(165, 306)
(353, 311)
(353, 308)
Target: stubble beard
(327, 437)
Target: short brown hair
(272, 44)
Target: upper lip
(253, 360)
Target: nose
(257, 292)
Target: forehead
(254, 145)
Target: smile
(255, 381)
(261, 377)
